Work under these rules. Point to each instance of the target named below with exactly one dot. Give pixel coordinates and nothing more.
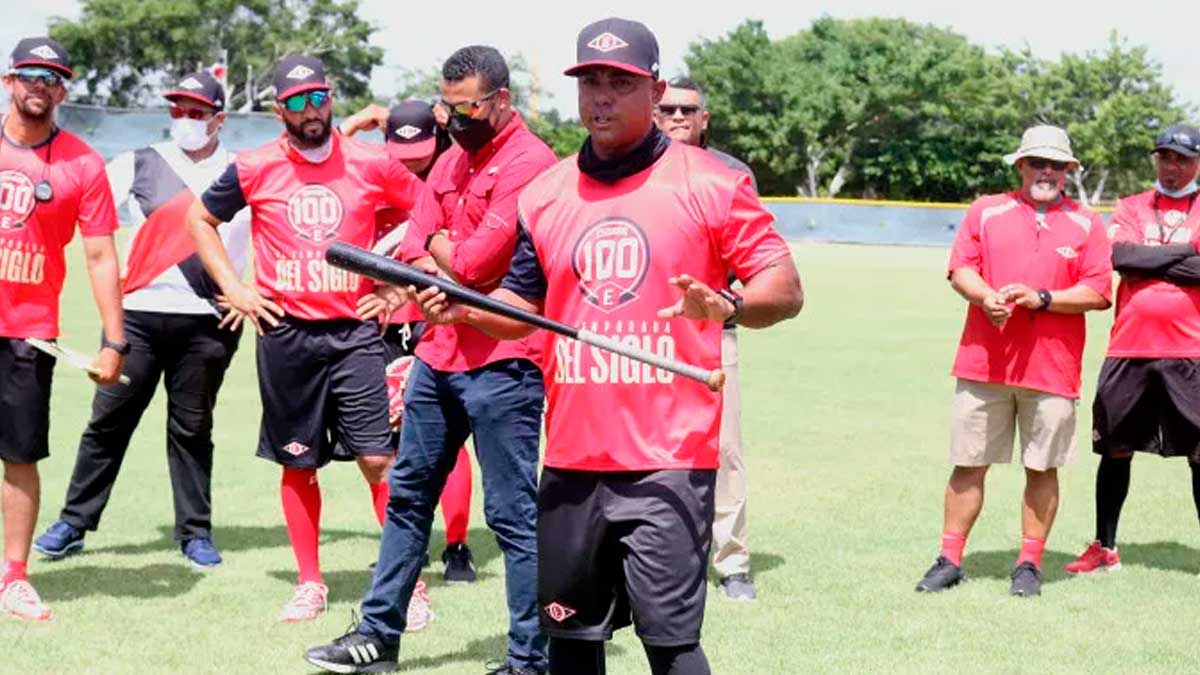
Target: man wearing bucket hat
(51, 184)
(1029, 262)
(1148, 396)
(173, 326)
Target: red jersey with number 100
(298, 208)
(608, 251)
(33, 233)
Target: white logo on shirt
(299, 72)
(607, 42)
(16, 200)
(315, 212)
(610, 260)
(408, 132)
(1067, 252)
(44, 51)
(191, 84)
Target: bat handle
(713, 379)
(716, 380)
(124, 379)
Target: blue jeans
(501, 404)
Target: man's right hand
(373, 116)
(996, 307)
(244, 302)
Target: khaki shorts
(986, 415)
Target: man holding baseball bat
(629, 239)
(464, 382)
(50, 181)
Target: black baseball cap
(411, 130)
(297, 74)
(618, 43)
(201, 87)
(1180, 138)
(41, 52)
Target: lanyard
(1162, 226)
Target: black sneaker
(355, 653)
(1026, 581)
(460, 567)
(943, 575)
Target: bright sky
(545, 31)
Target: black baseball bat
(391, 271)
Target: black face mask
(470, 133)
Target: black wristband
(121, 348)
(429, 239)
(736, 300)
(1046, 298)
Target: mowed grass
(846, 416)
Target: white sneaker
(420, 615)
(20, 600)
(307, 603)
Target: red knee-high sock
(456, 499)
(952, 547)
(301, 495)
(1031, 551)
(379, 499)
(14, 570)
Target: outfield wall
(115, 130)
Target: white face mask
(190, 135)
(1181, 192)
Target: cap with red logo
(617, 43)
(201, 87)
(297, 74)
(411, 130)
(43, 52)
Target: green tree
(1111, 103)
(127, 52)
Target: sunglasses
(317, 98)
(466, 108)
(47, 78)
(1038, 164)
(670, 110)
(1178, 139)
(178, 112)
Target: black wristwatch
(1046, 298)
(738, 304)
(121, 348)
(429, 239)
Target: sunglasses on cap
(467, 108)
(1038, 164)
(670, 110)
(1178, 139)
(179, 112)
(318, 98)
(47, 77)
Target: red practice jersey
(33, 233)
(298, 208)
(604, 255)
(1006, 241)
(1156, 318)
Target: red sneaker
(1096, 559)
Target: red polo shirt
(474, 198)
(1003, 238)
(1156, 318)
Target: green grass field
(846, 416)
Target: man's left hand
(108, 365)
(699, 302)
(1022, 296)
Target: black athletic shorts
(322, 386)
(400, 339)
(1148, 405)
(25, 375)
(615, 544)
